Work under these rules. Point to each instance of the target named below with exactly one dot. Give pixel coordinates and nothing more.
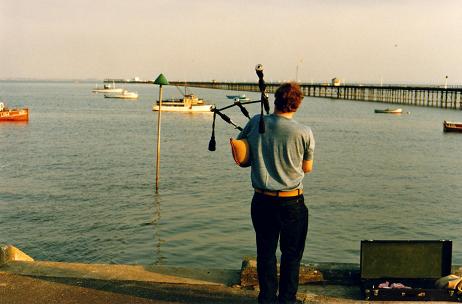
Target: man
(279, 158)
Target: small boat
(124, 95)
(189, 104)
(107, 88)
(449, 126)
(13, 114)
(240, 97)
(390, 111)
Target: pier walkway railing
(449, 97)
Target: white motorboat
(124, 95)
(107, 88)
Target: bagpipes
(264, 104)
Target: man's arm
(307, 166)
(307, 163)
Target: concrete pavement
(53, 282)
(25, 281)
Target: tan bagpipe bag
(241, 152)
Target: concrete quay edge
(40, 280)
(57, 282)
(23, 279)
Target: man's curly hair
(288, 97)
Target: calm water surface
(77, 182)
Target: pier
(447, 97)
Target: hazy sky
(410, 41)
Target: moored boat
(389, 111)
(7, 114)
(107, 88)
(240, 97)
(189, 104)
(449, 126)
(123, 95)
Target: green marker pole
(160, 80)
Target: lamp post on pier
(296, 70)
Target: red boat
(13, 114)
(452, 126)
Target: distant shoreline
(53, 80)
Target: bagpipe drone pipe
(264, 105)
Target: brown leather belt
(290, 193)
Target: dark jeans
(274, 218)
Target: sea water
(77, 182)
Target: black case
(417, 264)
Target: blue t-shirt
(276, 156)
